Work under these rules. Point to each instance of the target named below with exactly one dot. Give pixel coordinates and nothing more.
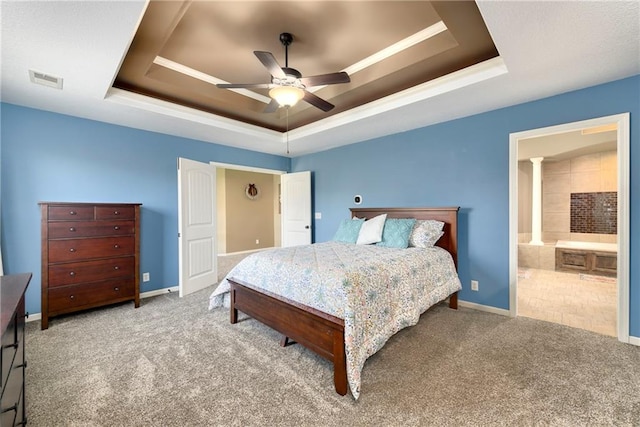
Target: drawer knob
(72, 213)
(72, 273)
(72, 297)
(116, 246)
(116, 213)
(116, 268)
(72, 250)
(116, 289)
(116, 228)
(72, 229)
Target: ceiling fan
(288, 86)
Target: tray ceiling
(181, 49)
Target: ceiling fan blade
(243, 85)
(270, 63)
(271, 107)
(316, 101)
(326, 79)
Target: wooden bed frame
(318, 331)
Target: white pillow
(371, 230)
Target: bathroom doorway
(569, 235)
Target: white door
(296, 208)
(198, 265)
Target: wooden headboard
(449, 216)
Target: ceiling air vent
(45, 79)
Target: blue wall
(465, 163)
(52, 157)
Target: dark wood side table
(12, 361)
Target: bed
(336, 334)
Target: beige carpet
(173, 363)
(227, 261)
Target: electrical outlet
(474, 285)
(257, 241)
(146, 277)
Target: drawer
(80, 249)
(70, 212)
(68, 298)
(91, 271)
(115, 212)
(8, 418)
(12, 392)
(9, 336)
(71, 229)
(9, 347)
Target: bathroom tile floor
(576, 300)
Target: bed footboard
(317, 331)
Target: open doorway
(568, 265)
(248, 212)
(198, 232)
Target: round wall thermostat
(357, 199)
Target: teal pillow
(396, 233)
(348, 230)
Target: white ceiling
(546, 48)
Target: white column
(536, 202)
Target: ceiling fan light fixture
(286, 96)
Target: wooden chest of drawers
(12, 361)
(90, 256)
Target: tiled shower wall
(594, 212)
(592, 173)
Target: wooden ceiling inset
(217, 40)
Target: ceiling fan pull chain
(287, 130)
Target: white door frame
(623, 142)
(247, 168)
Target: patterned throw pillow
(348, 230)
(396, 233)
(426, 233)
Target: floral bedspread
(376, 290)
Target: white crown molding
(154, 105)
(468, 76)
(183, 69)
(474, 74)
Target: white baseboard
(37, 316)
(486, 308)
(34, 317)
(634, 340)
(159, 292)
(250, 251)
